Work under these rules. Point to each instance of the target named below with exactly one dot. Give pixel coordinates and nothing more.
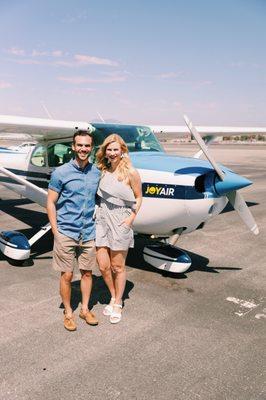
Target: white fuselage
(160, 214)
(164, 215)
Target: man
(70, 207)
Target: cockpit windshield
(137, 138)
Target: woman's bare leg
(118, 260)
(103, 258)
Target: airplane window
(38, 156)
(59, 154)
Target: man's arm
(51, 209)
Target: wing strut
(21, 180)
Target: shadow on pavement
(229, 208)
(30, 217)
(100, 293)
(135, 260)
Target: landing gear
(16, 246)
(167, 257)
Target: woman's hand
(128, 221)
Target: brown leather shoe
(69, 323)
(89, 317)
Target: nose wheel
(167, 257)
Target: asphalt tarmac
(198, 335)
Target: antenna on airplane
(101, 118)
(46, 110)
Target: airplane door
(44, 159)
(38, 170)
(58, 154)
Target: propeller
(234, 197)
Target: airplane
(180, 194)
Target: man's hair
(82, 133)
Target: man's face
(82, 147)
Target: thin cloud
(5, 85)
(37, 53)
(82, 90)
(208, 106)
(123, 100)
(242, 64)
(77, 80)
(74, 80)
(15, 51)
(27, 61)
(85, 60)
(47, 57)
(57, 53)
(54, 53)
(169, 75)
(81, 60)
(203, 83)
(178, 105)
(236, 64)
(116, 73)
(69, 19)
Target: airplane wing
(41, 129)
(208, 130)
(50, 129)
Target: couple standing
(72, 214)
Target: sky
(143, 62)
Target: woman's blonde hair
(125, 163)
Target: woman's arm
(135, 184)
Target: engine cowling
(212, 183)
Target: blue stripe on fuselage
(168, 191)
(7, 151)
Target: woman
(120, 197)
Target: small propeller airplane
(180, 194)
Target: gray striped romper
(117, 201)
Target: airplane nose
(211, 182)
(231, 182)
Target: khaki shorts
(67, 250)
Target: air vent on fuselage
(199, 183)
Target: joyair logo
(158, 190)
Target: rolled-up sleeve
(55, 183)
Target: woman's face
(113, 152)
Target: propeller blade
(234, 197)
(239, 204)
(207, 140)
(203, 147)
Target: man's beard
(83, 158)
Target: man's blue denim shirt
(76, 203)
